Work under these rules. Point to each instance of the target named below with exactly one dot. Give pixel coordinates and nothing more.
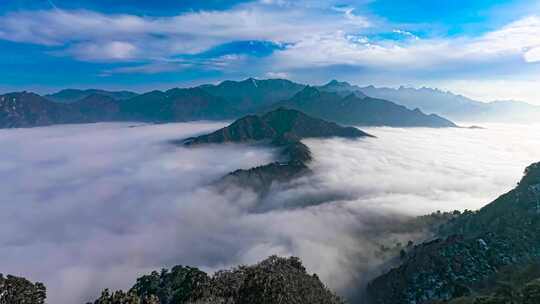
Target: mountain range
(336, 101)
(225, 101)
(444, 103)
(455, 107)
(356, 109)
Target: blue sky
(485, 49)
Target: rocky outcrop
(274, 280)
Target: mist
(87, 207)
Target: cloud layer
(93, 206)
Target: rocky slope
(470, 251)
(274, 280)
(354, 109)
(283, 128)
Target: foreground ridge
(274, 280)
(471, 252)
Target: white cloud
(533, 55)
(282, 75)
(513, 40)
(103, 51)
(93, 206)
(187, 33)
(406, 34)
(495, 89)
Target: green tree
(15, 290)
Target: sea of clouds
(85, 207)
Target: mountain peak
(283, 128)
(332, 82)
(335, 82)
(275, 125)
(531, 176)
(308, 92)
(252, 93)
(250, 81)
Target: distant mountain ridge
(176, 105)
(228, 100)
(251, 94)
(454, 106)
(23, 109)
(73, 95)
(444, 103)
(354, 109)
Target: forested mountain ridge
(470, 252)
